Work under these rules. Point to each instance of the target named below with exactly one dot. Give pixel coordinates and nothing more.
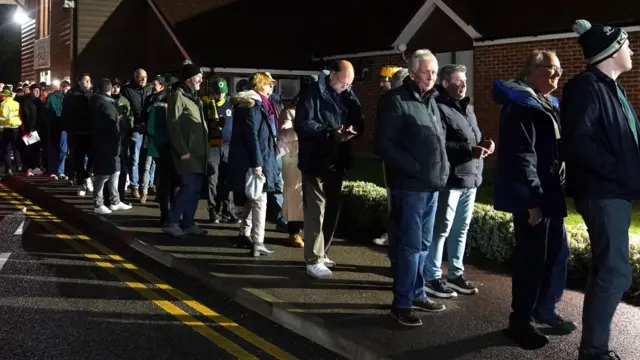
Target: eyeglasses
(552, 67)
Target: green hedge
(364, 209)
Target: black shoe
(611, 355)
(213, 217)
(244, 242)
(429, 305)
(527, 336)
(439, 288)
(229, 219)
(282, 227)
(406, 317)
(559, 325)
(462, 285)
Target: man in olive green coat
(188, 137)
(125, 126)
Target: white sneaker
(382, 240)
(82, 190)
(319, 271)
(102, 210)
(88, 183)
(328, 262)
(120, 206)
(63, 177)
(38, 171)
(53, 177)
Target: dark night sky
(9, 46)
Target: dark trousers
(220, 199)
(183, 208)
(294, 227)
(411, 219)
(81, 149)
(608, 222)
(539, 268)
(11, 139)
(33, 155)
(167, 185)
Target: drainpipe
(168, 28)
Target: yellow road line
(145, 291)
(242, 332)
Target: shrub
(364, 209)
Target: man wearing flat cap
(188, 133)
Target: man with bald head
(136, 92)
(328, 116)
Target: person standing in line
(409, 138)
(328, 116)
(529, 184)
(600, 134)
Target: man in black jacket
(137, 93)
(409, 138)
(529, 184)
(328, 116)
(466, 150)
(600, 131)
(76, 120)
(105, 148)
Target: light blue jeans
(134, 155)
(455, 209)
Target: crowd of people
(252, 149)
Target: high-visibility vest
(10, 113)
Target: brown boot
(296, 240)
(135, 193)
(143, 198)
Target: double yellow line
(73, 237)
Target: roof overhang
(400, 44)
(221, 70)
(515, 40)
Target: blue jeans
(57, 150)
(455, 208)
(134, 153)
(539, 275)
(608, 222)
(410, 232)
(186, 201)
(277, 196)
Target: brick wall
(368, 92)
(502, 62)
(491, 63)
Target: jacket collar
(599, 74)
(415, 91)
(444, 98)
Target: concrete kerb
(284, 314)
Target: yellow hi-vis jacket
(10, 113)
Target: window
(45, 76)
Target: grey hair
(138, 71)
(398, 77)
(532, 61)
(420, 55)
(447, 71)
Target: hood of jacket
(518, 92)
(246, 99)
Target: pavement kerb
(284, 314)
